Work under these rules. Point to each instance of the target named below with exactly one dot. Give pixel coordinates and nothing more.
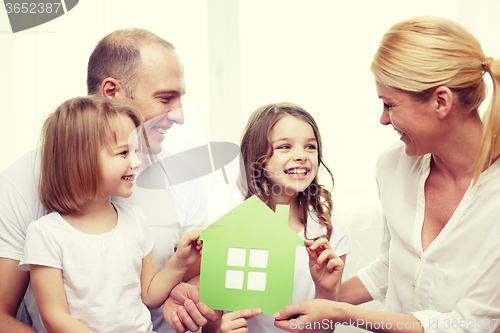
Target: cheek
(315, 162)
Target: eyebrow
(287, 139)
(173, 91)
(121, 147)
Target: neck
(457, 153)
(98, 206)
(98, 216)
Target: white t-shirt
(170, 211)
(303, 285)
(101, 273)
(454, 285)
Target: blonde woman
(439, 189)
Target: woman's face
(414, 121)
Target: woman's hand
(326, 268)
(316, 315)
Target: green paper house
(248, 259)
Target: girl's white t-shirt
(101, 273)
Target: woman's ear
(444, 101)
(111, 88)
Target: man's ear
(111, 88)
(444, 101)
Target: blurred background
(239, 55)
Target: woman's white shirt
(454, 284)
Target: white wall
(316, 54)
(45, 65)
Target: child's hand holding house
(234, 321)
(326, 268)
(189, 249)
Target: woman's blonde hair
(256, 150)
(420, 54)
(72, 139)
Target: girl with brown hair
(281, 152)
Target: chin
(410, 151)
(153, 149)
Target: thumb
(288, 312)
(313, 257)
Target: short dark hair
(118, 56)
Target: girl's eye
(125, 152)
(284, 147)
(311, 147)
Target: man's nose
(176, 115)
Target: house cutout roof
(248, 259)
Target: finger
(186, 319)
(212, 315)
(241, 330)
(231, 325)
(189, 237)
(194, 234)
(284, 325)
(289, 311)
(325, 256)
(320, 243)
(176, 323)
(247, 313)
(237, 325)
(313, 257)
(335, 265)
(194, 313)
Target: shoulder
(48, 224)
(22, 176)
(26, 165)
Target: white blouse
(454, 285)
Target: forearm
(158, 290)
(13, 284)
(354, 292)
(9, 324)
(62, 322)
(378, 321)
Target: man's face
(158, 91)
